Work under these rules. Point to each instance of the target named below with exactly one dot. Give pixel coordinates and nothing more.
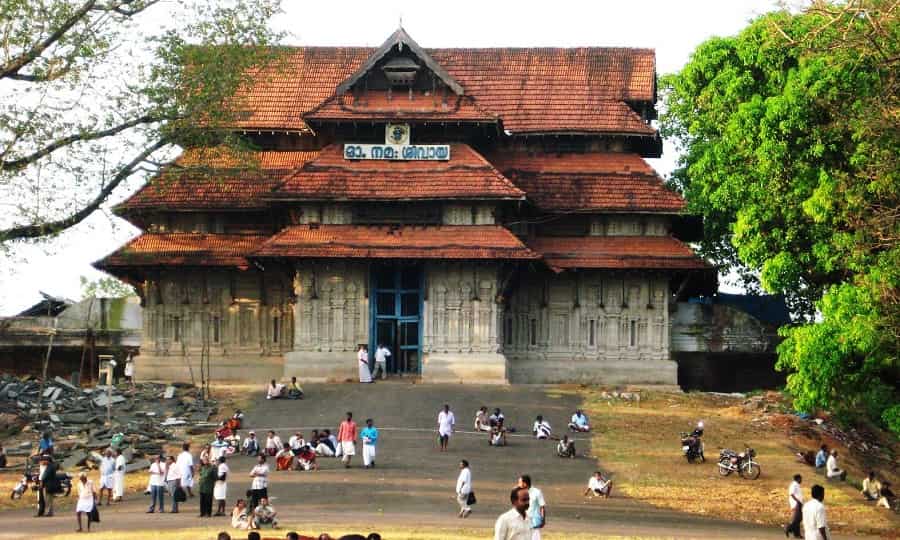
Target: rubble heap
(147, 417)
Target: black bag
(470, 500)
(95, 515)
(179, 495)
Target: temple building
(486, 213)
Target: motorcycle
(742, 463)
(692, 445)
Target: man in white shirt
(185, 464)
(795, 500)
(463, 489)
(107, 468)
(381, 356)
(129, 370)
(157, 484)
(259, 486)
(542, 429)
(251, 445)
(446, 421)
(220, 488)
(273, 444)
(815, 524)
(296, 442)
(831, 468)
(513, 524)
(598, 486)
(119, 476)
(537, 508)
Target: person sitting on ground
(497, 435)
(236, 421)
(831, 468)
(579, 422)
(871, 487)
(265, 514)
(284, 459)
(219, 448)
(333, 442)
(273, 443)
(306, 459)
(599, 486)
(294, 390)
(324, 445)
(821, 458)
(565, 448)
(542, 429)
(251, 445)
(496, 417)
(275, 390)
(481, 420)
(888, 497)
(240, 517)
(808, 457)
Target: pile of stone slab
(142, 420)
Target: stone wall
(589, 327)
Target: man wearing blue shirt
(579, 422)
(822, 457)
(45, 445)
(369, 435)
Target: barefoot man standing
(446, 421)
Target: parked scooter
(692, 445)
(743, 464)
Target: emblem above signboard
(397, 147)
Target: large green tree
(93, 92)
(790, 142)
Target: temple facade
(485, 213)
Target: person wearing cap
(251, 445)
(87, 498)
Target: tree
(790, 140)
(105, 287)
(93, 94)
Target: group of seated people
(827, 462)
(276, 390)
(878, 491)
(494, 425)
(298, 453)
(245, 518)
(293, 535)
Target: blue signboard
(412, 152)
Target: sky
(673, 29)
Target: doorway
(396, 315)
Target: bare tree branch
(52, 227)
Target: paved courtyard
(413, 483)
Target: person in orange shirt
(347, 439)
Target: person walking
(48, 486)
(107, 470)
(173, 481)
(537, 508)
(207, 482)
(220, 490)
(446, 420)
(347, 439)
(186, 464)
(362, 358)
(259, 486)
(129, 369)
(815, 523)
(87, 499)
(157, 485)
(369, 435)
(381, 355)
(119, 476)
(513, 524)
(464, 489)
(795, 502)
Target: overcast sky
(674, 29)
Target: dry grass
(638, 443)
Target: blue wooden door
(396, 315)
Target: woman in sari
(240, 516)
(284, 459)
(365, 376)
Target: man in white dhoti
(347, 439)
(107, 468)
(185, 463)
(362, 357)
(119, 476)
(463, 489)
(369, 436)
(446, 421)
(220, 490)
(381, 356)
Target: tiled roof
(385, 242)
(202, 179)
(331, 177)
(530, 89)
(612, 252)
(377, 105)
(183, 249)
(612, 182)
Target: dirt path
(414, 483)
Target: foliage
(94, 92)
(891, 419)
(105, 287)
(789, 137)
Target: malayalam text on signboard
(421, 152)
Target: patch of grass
(638, 443)
(135, 484)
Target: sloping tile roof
(414, 242)
(183, 249)
(611, 182)
(377, 105)
(612, 252)
(331, 177)
(216, 180)
(531, 89)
